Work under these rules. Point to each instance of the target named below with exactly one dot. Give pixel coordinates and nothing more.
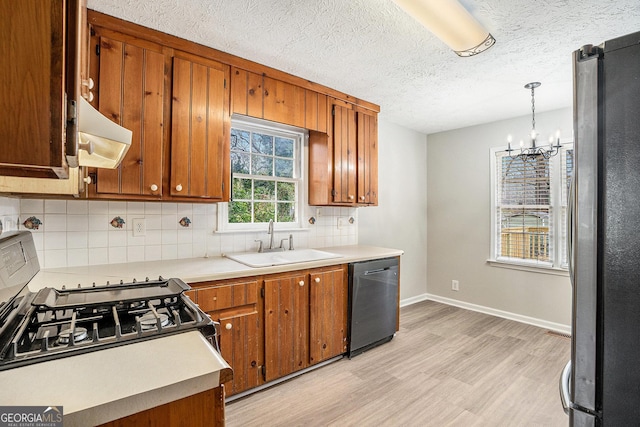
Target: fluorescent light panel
(451, 23)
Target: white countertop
(101, 386)
(192, 270)
(104, 385)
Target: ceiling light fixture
(451, 23)
(533, 151)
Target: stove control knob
(228, 326)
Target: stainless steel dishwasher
(373, 303)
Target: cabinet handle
(351, 197)
(154, 187)
(228, 326)
(317, 280)
(179, 187)
(301, 283)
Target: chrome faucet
(270, 231)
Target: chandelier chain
(533, 109)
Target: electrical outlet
(341, 222)
(139, 227)
(455, 285)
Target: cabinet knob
(301, 283)
(317, 280)
(154, 187)
(228, 326)
(87, 180)
(351, 197)
(362, 198)
(179, 187)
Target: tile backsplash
(70, 233)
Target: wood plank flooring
(445, 367)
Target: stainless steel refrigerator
(601, 384)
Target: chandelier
(533, 150)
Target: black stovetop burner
(55, 323)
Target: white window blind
(524, 210)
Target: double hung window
(529, 208)
(266, 176)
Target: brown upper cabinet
(257, 95)
(130, 90)
(200, 128)
(343, 164)
(39, 46)
(177, 97)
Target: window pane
(239, 163)
(239, 140)
(239, 212)
(286, 212)
(264, 211)
(262, 143)
(261, 165)
(241, 189)
(264, 190)
(525, 234)
(284, 168)
(286, 191)
(284, 147)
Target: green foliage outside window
(264, 185)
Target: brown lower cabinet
(201, 409)
(274, 325)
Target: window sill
(528, 267)
(261, 230)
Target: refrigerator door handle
(565, 394)
(570, 225)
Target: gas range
(54, 323)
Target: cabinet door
(286, 312)
(328, 313)
(367, 145)
(200, 129)
(284, 102)
(130, 91)
(344, 153)
(235, 306)
(315, 110)
(246, 92)
(32, 48)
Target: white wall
(459, 223)
(399, 220)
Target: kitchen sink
(267, 259)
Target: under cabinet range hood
(101, 142)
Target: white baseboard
(557, 327)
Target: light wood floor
(445, 367)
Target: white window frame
(300, 136)
(557, 220)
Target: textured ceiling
(371, 49)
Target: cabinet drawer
(225, 296)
